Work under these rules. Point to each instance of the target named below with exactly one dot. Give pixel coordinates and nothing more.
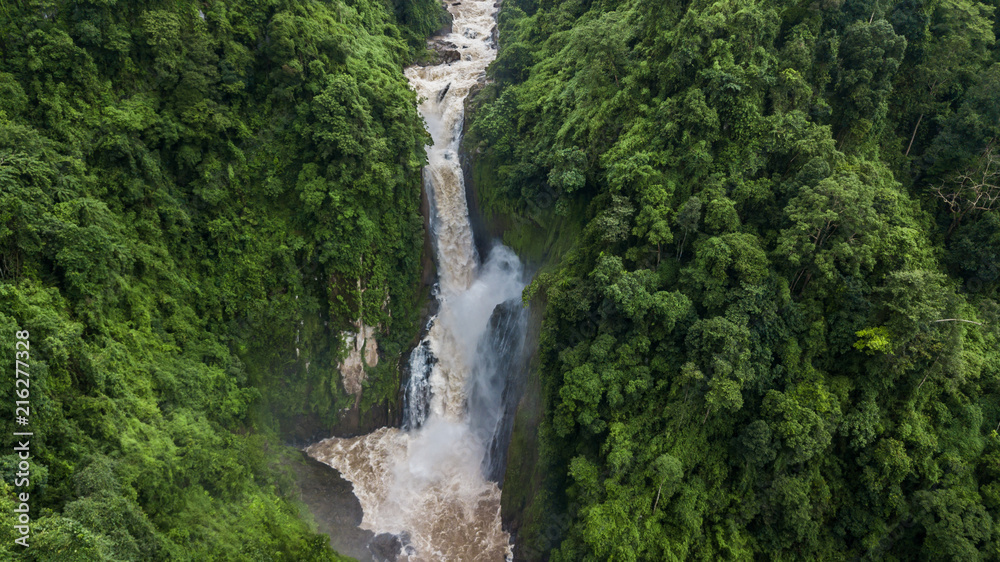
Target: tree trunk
(914, 135)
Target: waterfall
(495, 385)
(432, 485)
(417, 399)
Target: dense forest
(768, 235)
(196, 199)
(766, 238)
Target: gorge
(428, 483)
(747, 304)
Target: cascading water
(428, 484)
(417, 400)
(498, 373)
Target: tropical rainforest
(196, 199)
(768, 238)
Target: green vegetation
(195, 199)
(776, 335)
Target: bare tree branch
(977, 189)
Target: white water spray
(427, 484)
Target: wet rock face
(385, 547)
(338, 514)
(331, 501)
(362, 350)
(497, 383)
(445, 52)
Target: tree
(972, 191)
(688, 217)
(870, 55)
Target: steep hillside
(197, 200)
(771, 321)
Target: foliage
(776, 337)
(195, 199)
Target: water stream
(428, 483)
